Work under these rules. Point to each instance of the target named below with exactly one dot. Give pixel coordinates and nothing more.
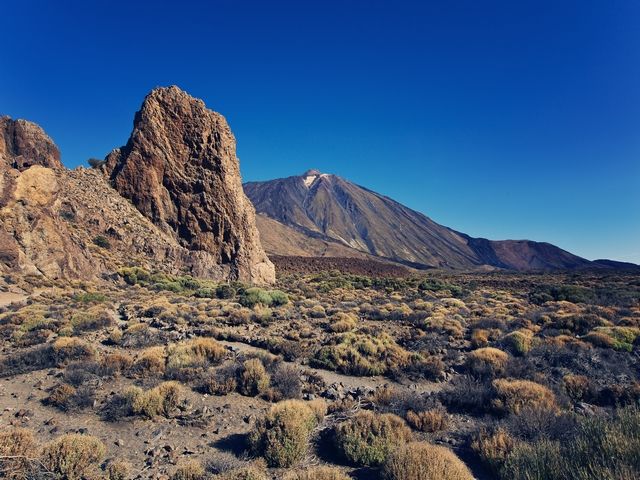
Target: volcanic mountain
(328, 208)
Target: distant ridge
(329, 208)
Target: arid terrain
(149, 375)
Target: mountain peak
(311, 173)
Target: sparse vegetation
(474, 360)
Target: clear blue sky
(502, 119)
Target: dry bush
(318, 473)
(578, 387)
(73, 456)
(282, 436)
(151, 361)
(255, 471)
(487, 362)
(18, 453)
(67, 349)
(163, 399)
(92, 319)
(67, 398)
(343, 322)
(286, 382)
(368, 438)
(424, 461)
(514, 395)
(117, 362)
(428, 421)
(189, 470)
(254, 378)
(119, 470)
(362, 354)
(479, 338)
(195, 353)
(493, 448)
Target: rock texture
(180, 170)
(24, 144)
(324, 206)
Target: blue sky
(502, 119)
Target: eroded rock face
(179, 168)
(24, 144)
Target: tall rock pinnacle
(179, 168)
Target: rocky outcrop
(180, 170)
(24, 144)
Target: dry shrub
(195, 353)
(343, 322)
(368, 438)
(578, 387)
(18, 451)
(151, 361)
(73, 456)
(599, 339)
(479, 338)
(254, 379)
(424, 461)
(61, 396)
(318, 473)
(161, 400)
(189, 470)
(282, 436)
(494, 448)
(255, 471)
(428, 421)
(487, 362)
(118, 363)
(67, 349)
(119, 470)
(514, 395)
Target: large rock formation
(179, 168)
(24, 144)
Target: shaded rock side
(180, 170)
(24, 144)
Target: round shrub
(368, 438)
(342, 322)
(424, 461)
(282, 436)
(512, 396)
(487, 362)
(518, 342)
(73, 456)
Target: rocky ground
(73, 353)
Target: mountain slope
(329, 206)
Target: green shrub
(102, 242)
(225, 291)
(368, 438)
(282, 436)
(518, 342)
